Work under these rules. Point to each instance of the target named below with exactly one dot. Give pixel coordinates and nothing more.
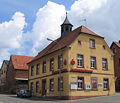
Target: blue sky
(28, 7)
(25, 24)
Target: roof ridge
(21, 55)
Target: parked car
(24, 93)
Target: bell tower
(66, 27)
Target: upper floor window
(37, 86)
(80, 60)
(32, 70)
(60, 61)
(94, 83)
(104, 47)
(92, 43)
(44, 67)
(93, 62)
(37, 69)
(60, 83)
(51, 84)
(51, 64)
(104, 64)
(79, 42)
(114, 50)
(80, 83)
(105, 84)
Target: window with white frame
(104, 64)
(94, 83)
(51, 84)
(106, 84)
(80, 60)
(60, 83)
(37, 86)
(51, 64)
(93, 62)
(44, 67)
(60, 61)
(92, 43)
(80, 83)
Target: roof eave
(47, 54)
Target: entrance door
(43, 87)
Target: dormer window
(92, 43)
(66, 28)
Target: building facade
(17, 74)
(115, 47)
(79, 64)
(4, 68)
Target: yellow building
(79, 64)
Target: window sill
(92, 48)
(80, 67)
(80, 89)
(93, 68)
(105, 89)
(94, 89)
(105, 69)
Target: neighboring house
(79, 64)
(4, 68)
(17, 74)
(115, 47)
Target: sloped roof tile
(64, 42)
(20, 62)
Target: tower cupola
(66, 27)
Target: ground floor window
(31, 87)
(80, 83)
(106, 84)
(94, 83)
(37, 86)
(51, 84)
(60, 83)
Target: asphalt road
(13, 99)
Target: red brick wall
(116, 62)
(10, 81)
(21, 73)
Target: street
(13, 99)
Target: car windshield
(22, 91)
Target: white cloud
(102, 17)
(47, 24)
(11, 34)
(50, 17)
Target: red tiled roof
(20, 62)
(64, 42)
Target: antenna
(85, 20)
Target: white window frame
(80, 60)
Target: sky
(25, 24)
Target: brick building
(115, 47)
(17, 74)
(3, 70)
